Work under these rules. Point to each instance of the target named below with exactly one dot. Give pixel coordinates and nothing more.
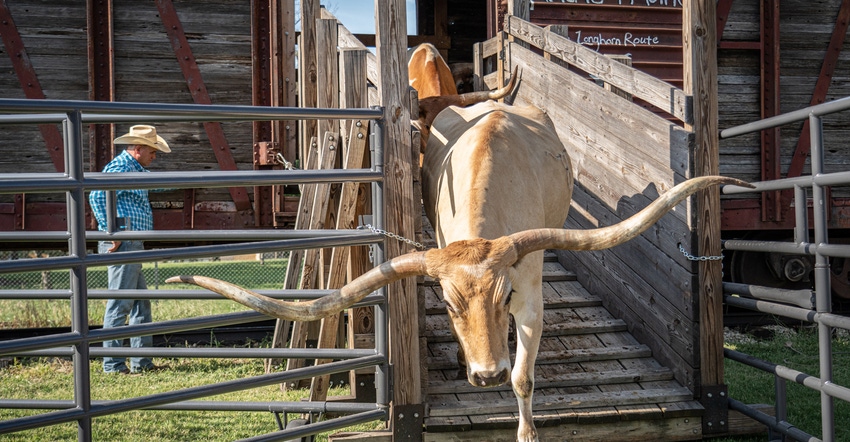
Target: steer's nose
(490, 379)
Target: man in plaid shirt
(134, 207)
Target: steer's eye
(508, 298)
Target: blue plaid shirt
(132, 205)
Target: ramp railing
(799, 305)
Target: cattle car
(165, 52)
(761, 73)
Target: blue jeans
(126, 276)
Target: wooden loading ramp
(593, 380)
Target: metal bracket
(715, 400)
(408, 421)
(265, 153)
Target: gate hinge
(715, 400)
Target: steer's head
(476, 279)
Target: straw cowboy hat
(144, 135)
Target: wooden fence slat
(296, 257)
(339, 257)
(318, 214)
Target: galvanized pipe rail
(72, 114)
(820, 249)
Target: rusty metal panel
(101, 74)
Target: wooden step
(444, 355)
(437, 328)
(561, 380)
(575, 401)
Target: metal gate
(799, 304)
(71, 115)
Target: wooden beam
(400, 210)
(699, 36)
(310, 11)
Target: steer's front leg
(529, 327)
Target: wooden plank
(568, 294)
(581, 401)
(339, 257)
(347, 40)
(636, 144)
(296, 257)
(549, 357)
(438, 329)
(555, 380)
(392, 59)
(553, 271)
(487, 420)
(327, 65)
(307, 74)
(646, 87)
(700, 81)
(625, 431)
(448, 423)
(318, 212)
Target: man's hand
(115, 245)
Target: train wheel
(779, 270)
(793, 272)
(299, 423)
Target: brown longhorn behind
(430, 107)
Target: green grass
(255, 275)
(52, 379)
(797, 349)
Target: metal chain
(392, 235)
(698, 258)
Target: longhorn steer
(497, 187)
(428, 73)
(435, 83)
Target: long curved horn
(411, 264)
(605, 237)
(430, 107)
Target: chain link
(698, 258)
(392, 235)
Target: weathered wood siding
(806, 28)
(623, 156)
(146, 70)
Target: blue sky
(359, 15)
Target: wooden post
(407, 413)
(310, 10)
(327, 64)
(354, 94)
(346, 217)
(284, 75)
(699, 39)
(520, 9)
